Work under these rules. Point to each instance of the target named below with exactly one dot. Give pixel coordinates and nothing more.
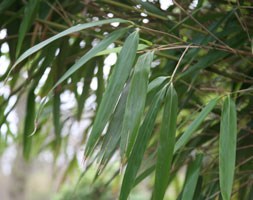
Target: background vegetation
(137, 97)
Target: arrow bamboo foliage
(157, 92)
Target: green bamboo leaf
(91, 53)
(192, 178)
(118, 49)
(195, 124)
(29, 15)
(156, 82)
(227, 147)
(71, 30)
(144, 174)
(29, 123)
(101, 84)
(135, 103)
(56, 120)
(140, 145)
(166, 143)
(84, 59)
(116, 83)
(112, 135)
(197, 193)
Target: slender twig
(178, 63)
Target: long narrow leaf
(29, 15)
(195, 124)
(192, 178)
(29, 123)
(135, 102)
(227, 147)
(84, 59)
(71, 30)
(166, 143)
(91, 53)
(101, 86)
(140, 145)
(56, 120)
(116, 83)
(112, 136)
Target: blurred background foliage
(217, 37)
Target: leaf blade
(71, 30)
(29, 15)
(112, 136)
(192, 178)
(166, 143)
(195, 124)
(91, 53)
(137, 154)
(135, 102)
(114, 88)
(227, 147)
(29, 123)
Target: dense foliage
(175, 108)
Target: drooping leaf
(198, 191)
(71, 30)
(29, 15)
(184, 138)
(135, 103)
(84, 59)
(91, 53)
(166, 143)
(227, 147)
(112, 136)
(101, 84)
(29, 123)
(192, 178)
(116, 83)
(57, 120)
(140, 145)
